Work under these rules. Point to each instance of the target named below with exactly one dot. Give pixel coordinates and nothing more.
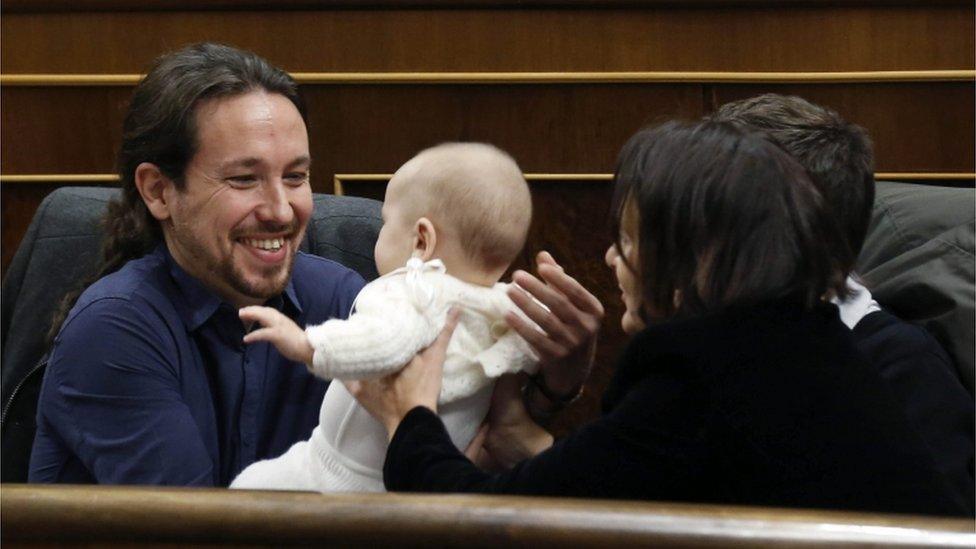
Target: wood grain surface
(836, 38)
(103, 516)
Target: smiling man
(148, 381)
(236, 223)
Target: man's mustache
(266, 228)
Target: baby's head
(466, 204)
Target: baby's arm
(378, 339)
(280, 331)
(509, 354)
(384, 333)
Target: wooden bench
(99, 516)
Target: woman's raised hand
(567, 343)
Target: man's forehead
(254, 109)
(248, 129)
(254, 161)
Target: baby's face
(396, 240)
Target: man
(148, 381)
(839, 158)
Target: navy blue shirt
(149, 383)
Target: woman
(740, 385)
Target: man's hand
(280, 331)
(508, 435)
(567, 343)
(389, 398)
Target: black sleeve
(935, 402)
(651, 446)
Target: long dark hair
(725, 218)
(160, 127)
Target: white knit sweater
(400, 314)
(395, 317)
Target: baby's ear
(425, 239)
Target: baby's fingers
(266, 316)
(263, 334)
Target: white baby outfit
(394, 317)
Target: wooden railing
(43, 6)
(107, 516)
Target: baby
(454, 218)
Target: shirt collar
(197, 303)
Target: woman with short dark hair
(740, 384)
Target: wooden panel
(537, 78)
(375, 129)
(61, 130)
(721, 39)
(42, 6)
(368, 128)
(915, 127)
(960, 180)
(101, 516)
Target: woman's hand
(389, 398)
(567, 344)
(509, 435)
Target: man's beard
(271, 283)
